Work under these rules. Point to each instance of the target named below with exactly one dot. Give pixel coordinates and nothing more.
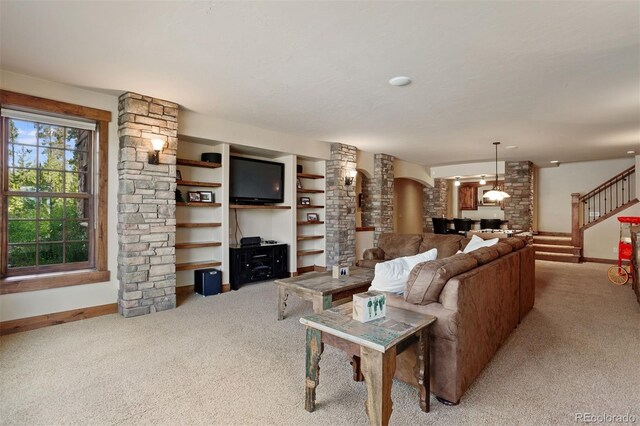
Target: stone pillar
(146, 205)
(365, 209)
(381, 195)
(340, 214)
(518, 183)
(436, 200)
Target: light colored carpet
(226, 360)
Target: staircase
(555, 246)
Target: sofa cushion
(477, 242)
(516, 243)
(485, 255)
(503, 248)
(391, 276)
(399, 245)
(447, 245)
(427, 279)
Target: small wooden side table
(322, 289)
(373, 347)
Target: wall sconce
(351, 175)
(457, 182)
(482, 180)
(157, 144)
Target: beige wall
(601, 240)
(32, 303)
(408, 207)
(555, 185)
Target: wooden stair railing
(602, 202)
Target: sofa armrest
(366, 263)
(375, 253)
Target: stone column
(518, 183)
(367, 187)
(381, 195)
(340, 214)
(436, 200)
(146, 205)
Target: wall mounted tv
(255, 181)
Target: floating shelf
(197, 183)
(199, 225)
(198, 204)
(306, 237)
(197, 265)
(309, 176)
(248, 206)
(309, 206)
(306, 222)
(310, 191)
(198, 245)
(308, 252)
(195, 163)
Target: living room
(306, 84)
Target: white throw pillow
(392, 275)
(477, 242)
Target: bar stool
(490, 223)
(439, 225)
(462, 226)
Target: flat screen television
(255, 181)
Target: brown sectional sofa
(483, 297)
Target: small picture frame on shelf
(305, 201)
(207, 197)
(298, 183)
(193, 196)
(178, 175)
(313, 217)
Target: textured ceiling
(561, 80)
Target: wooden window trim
(99, 273)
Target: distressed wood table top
(379, 335)
(323, 283)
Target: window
(53, 206)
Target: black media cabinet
(257, 263)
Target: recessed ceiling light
(554, 161)
(400, 81)
(510, 147)
(631, 152)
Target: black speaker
(207, 282)
(211, 157)
(299, 168)
(250, 241)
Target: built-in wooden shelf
(249, 206)
(198, 204)
(195, 163)
(307, 237)
(309, 206)
(197, 265)
(197, 183)
(198, 245)
(309, 176)
(306, 222)
(310, 191)
(199, 225)
(308, 252)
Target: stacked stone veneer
(340, 208)
(436, 199)
(380, 195)
(518, 183)
(366, 207)
(146, 205)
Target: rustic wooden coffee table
(373, 347)
(322, 289)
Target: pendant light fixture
(482, 181)
(496, 194)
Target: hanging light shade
(457, 181)
(496, 194)
(482, 181)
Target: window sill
(24, 283)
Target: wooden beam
(8, 98)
